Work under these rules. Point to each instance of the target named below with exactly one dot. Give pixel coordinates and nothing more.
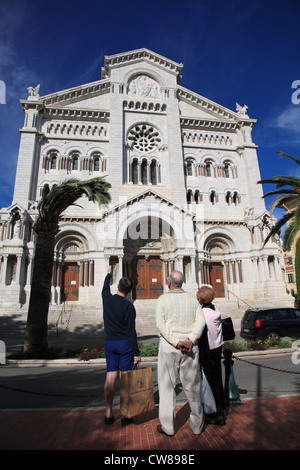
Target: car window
(266, 315)
(283, 314)
(248, 316)
(297, 313)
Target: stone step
(77, 319)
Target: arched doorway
(72, 270)
(222, 264)
(148, 246)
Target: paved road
(82, 386)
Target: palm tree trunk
(36, 334)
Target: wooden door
(147, 275)
(70, 282)
(217, 279)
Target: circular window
(144, 137)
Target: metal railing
(239, 299)
(64, 311)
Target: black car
(270, 323)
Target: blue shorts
(119, 355)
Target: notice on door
(154, 280)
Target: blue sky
(232, 51)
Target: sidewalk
(270, 424)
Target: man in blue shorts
(120, 346)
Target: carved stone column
(4, 269)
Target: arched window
(45, 190)
(153, 172)
(143, 172)
(227, 170)
(236, 199)
(213, 197)
(189, 169)
(208, 168)
(53, 161)
(96, 164)
(228, 198)
(197, 197)
(144, 169)
(189, 196)
(74, 163)
(134, 171)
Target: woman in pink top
(210, 349)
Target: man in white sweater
(180, 322)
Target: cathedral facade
(183, 172)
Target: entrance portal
(147, 276)
(217, 279)
(70, 282)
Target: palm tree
(288, 192)
(50, 208)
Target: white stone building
(184, 174)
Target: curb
(265, 352)
(64, 362)
(102, 362)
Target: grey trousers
(173, 364)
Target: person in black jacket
(120, 345)
(210, 352)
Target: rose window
(144, 138)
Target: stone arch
(223, 268)
(220, 241)
(73, 268)
(76, 230)
(145, 213)
(149, 246)
(132, 76)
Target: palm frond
(53, 204)
(288, 195)
(281, 181)
(286, 200)
(284, 180)
(285, 155)
(277, 192)
(280, 223)
(289, 236)
(292, 230)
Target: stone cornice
(143, 195)
(70, 95)
(222, 222)
(55, 112)
(74, 218)
(138, 55)
(219, 113)
(203, 123)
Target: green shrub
(272, 343)
(258, 344)
(148, 349)
(235, 346)
(285, 342)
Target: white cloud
(289, 119)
